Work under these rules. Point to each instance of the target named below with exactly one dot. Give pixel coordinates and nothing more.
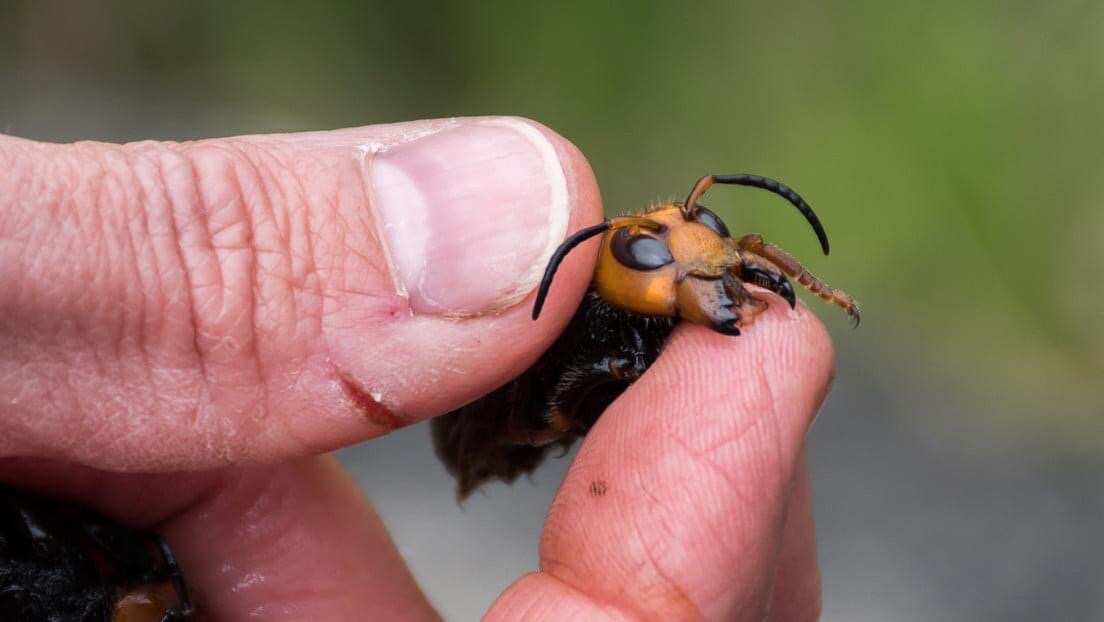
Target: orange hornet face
(679, 260)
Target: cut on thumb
(185, 305)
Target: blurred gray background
(954, 151)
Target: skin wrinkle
(143, 238)
(124, 262)
(779, 551)
(269, 185)
(581, 603)
(252, 220)
(727, 438)
(85, 205)
(606, 605)
(732, 488)
(562, 571)
(730, 521)
(371, 262)
(153, 197)
(703, 458)
(283, 224)
(28, 300)
(272, 177)
(312, 276)
(231, 172)
(758, 401)
(773, 559)
(150, 323)
(93, 194)
(311, 285)
(171, 162)
(798, 574)
(789, 477)
(304, 281)
(11, 176)
(342, 242)
(775, 419)
(776, 555)
(679, 604)
(88, 206)
(58, 175)
(293, 177)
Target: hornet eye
(640, 252)
(713, 221)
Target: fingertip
(416, 360)
(787, 353)
(586, 199)
(574, 274)
(693, 465)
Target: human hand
(185, 327)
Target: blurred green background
(953, 150)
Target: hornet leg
(758, 272)
(754, 245)
(185, 610)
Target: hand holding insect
(285, 295)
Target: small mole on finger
(598, 488)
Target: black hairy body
(61, 563)
(509, 432)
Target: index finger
(675, 505)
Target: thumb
(183, 305)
